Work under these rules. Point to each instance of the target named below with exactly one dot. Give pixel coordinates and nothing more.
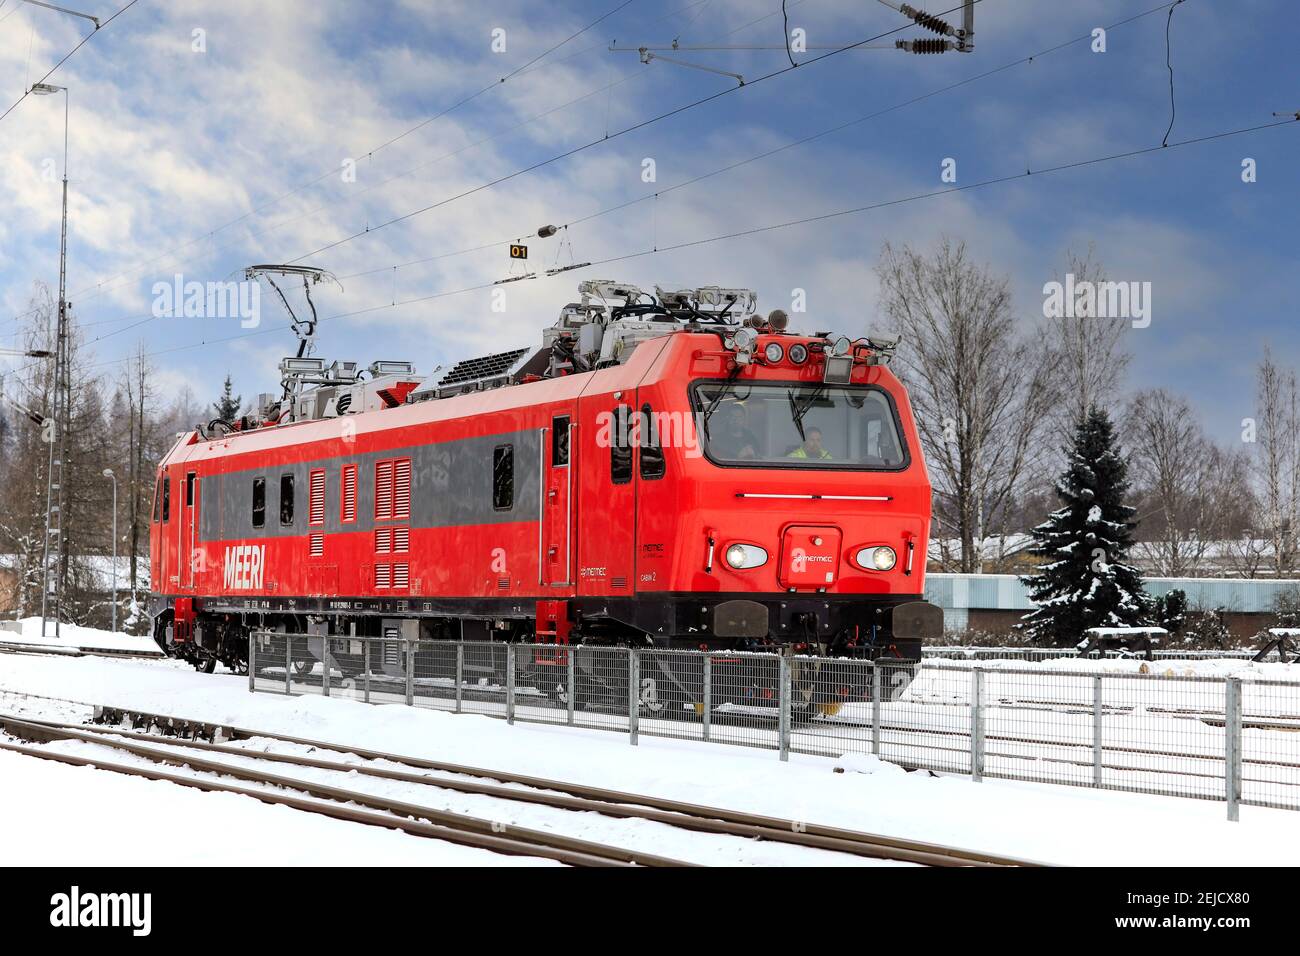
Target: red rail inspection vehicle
(659, 472)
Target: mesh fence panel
(1270, 744)
(1149, 727)
(600, 687)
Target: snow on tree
(1085, 581)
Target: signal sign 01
(518, 252)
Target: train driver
(812, 445)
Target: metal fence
(1215, 738)
(959, 652)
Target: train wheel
(205, 664)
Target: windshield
(824, 426)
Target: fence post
(633, 694)
(877, 686)
(365, 664)
(410, 673)
(1096, 731)
(783, 702)
(288, 662)
(324, 665)
(1232, 746)
(571, 682)
(977, 725)
(460, 675)
(708, 692)
(510, 683)
(252, 659)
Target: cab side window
(652, 451)
(259, 502)
(620, 446)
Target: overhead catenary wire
(667, 114)
(67, 56)
(1024, 60)
(1029, 174)
(812, 137)
(108, 283)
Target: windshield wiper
(797, 412)
(723, 391)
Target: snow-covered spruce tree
(1085, 581)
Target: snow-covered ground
(1035, 821)
(73, 639)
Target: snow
(58, 815)
(74, 639)
(1031, 820)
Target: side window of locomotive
(286, 500)
(157, 501)
(167, 499)
(620, 446)
(189, 489)
(560, 441)
(503, 477)
(259, 502)
(652, 450)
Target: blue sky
(168, 144)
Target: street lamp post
(62, 396)
(108, 473)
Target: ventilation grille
(383, 490)
(401, 540)
(383, 541)
(619, 583)
(485, 366)
(383, 577)
(349, 493)
(316, 494)
(503, 584)
(317, 544)
(401, 576)
(402, 489)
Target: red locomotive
(659, 472)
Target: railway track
(361, 807)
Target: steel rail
(332, 801)
(609, 802)
(702, 823)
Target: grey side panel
(451, 486)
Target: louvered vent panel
(401, 540)
(383, 576)
(349, 493)
(384, 490)
(383, 541)
(402, 489)
(401, 575)
(317, 544)
(317, 497)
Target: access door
(190, 553)
(559, 464)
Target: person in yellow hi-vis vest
(811, 447)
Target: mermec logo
(75, 909)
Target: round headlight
(840, 346)
(742, 556)
(773, 353)
(744, 339)
(798, 354)
(882, 558)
